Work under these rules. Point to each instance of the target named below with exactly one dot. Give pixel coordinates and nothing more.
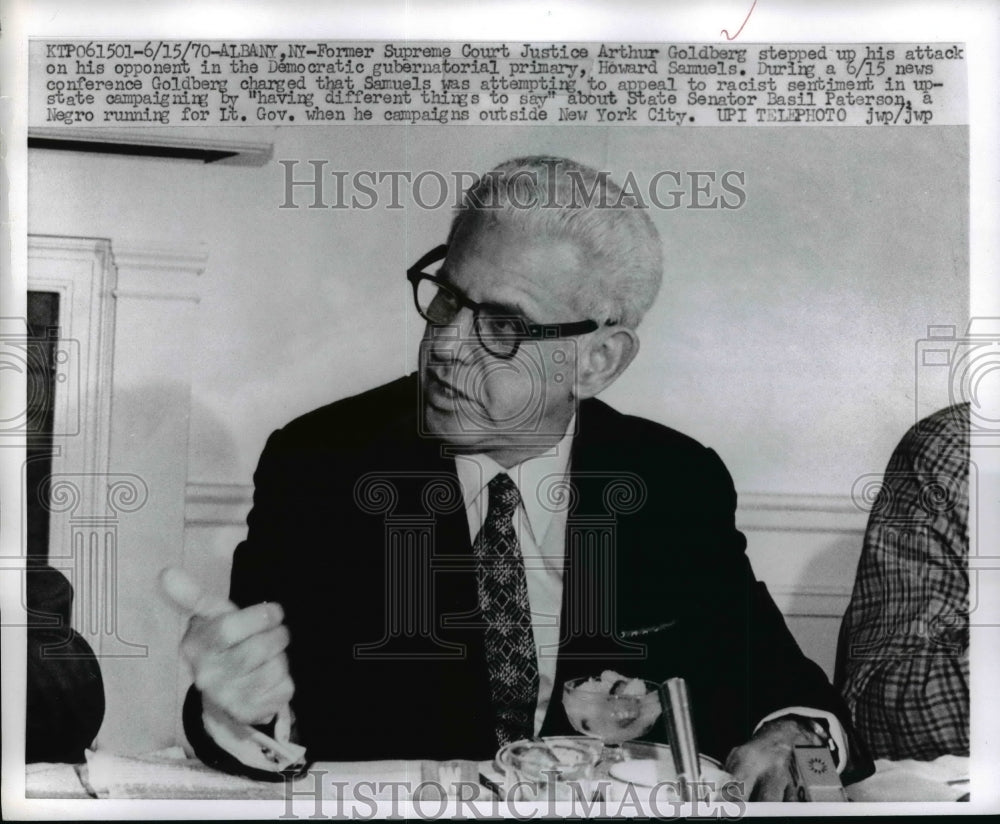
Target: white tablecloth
(165, 775)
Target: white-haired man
(441, 554)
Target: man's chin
(447, 426)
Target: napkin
(910, 780)
(48, 780)
(161, 776)
(155, 776)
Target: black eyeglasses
(500, 334)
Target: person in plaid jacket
(903, 663)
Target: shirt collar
(534, 478)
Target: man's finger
(744, 770)
(750, 782)
(236, 627)
(256, 651)
(186, 593)
(770, 787)
(739, 765)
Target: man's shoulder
(937, 443)
(675, 470)
(604, 427)
(358, 419)
(951, 421)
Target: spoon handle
(680, 731)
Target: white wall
(784, 335)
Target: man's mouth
(439, 390)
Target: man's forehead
(536, 276)
(511, 253)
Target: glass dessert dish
(613, 709)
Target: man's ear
(603, 358)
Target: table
(168, 774)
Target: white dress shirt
(540, 525)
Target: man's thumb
(186, 593)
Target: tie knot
(504, 495)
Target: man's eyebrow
(504, 309)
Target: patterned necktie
(503, 600)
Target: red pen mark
(725, 32)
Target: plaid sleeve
(905, 667)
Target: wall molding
(152, 295)
(75, 246)
(776, 512)
(154, 257)
(812, 601)
(757, 512)
(217, 504)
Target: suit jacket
(358, 529)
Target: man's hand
(237, 656)
(764, 764)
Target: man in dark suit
(429, 562)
